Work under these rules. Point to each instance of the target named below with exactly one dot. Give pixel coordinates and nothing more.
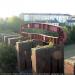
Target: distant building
(53, 22)
(50, 22)
(70, 22)
(34, 17)
(73, 17)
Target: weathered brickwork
(9, 36)
(12, 41)
(24, 53)
(48, 60)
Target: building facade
(71, 21)
(61, 18)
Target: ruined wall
(24, 53)
(2, 36)
(69, 66)
(8, 36)
(48, 59)
(12, 41)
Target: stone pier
(12, 41)
(24, 53)
(9, 36)
(48, 59)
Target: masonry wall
(9, 36)
(12, 41)
(24, 53)
(48, 59)
(2, 36)
(69, 66)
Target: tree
(10, 24)
(70, 30)
(72, 34)
(2, 24)
(14, 23)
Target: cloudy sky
(15, 7)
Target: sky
(15, 7)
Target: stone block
(48, 59)
(9, 36)
(12, 41)
(24, 53)
(69, 66)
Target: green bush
(40, 31)
(7, 58)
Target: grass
(69, 47)
(69, 51)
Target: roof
(45, 14)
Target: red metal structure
(41, 37)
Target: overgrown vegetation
(8, 59)
(40, 31)
(70, 30)
(8, 55)
(10, 24)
